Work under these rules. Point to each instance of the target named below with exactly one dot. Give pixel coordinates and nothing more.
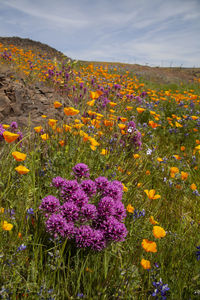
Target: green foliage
(47, 269)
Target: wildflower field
(103, 202)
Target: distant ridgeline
(29, 44)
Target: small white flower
(149, 151)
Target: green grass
(50, 269)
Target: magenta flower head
(114, 230)
(68, 188)
(50, 204)
(81, 170)
(89, 212)
(106, 207)
(1, 132)
(70, 211)
(113, 190)
(89, 187)
(79, 197)
(101, 183)
(58, 181)
(56, 224)
(14, 125)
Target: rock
(27, 103)
(4, 103)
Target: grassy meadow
(125, 129)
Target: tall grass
(34, 265)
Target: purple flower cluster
(81, 170)
(89, 212)
(1, 132)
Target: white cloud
(139, 31)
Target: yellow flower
(153, 221)
(70, 111)
(145, 264)
(19, 235)
(136, 156)
(38, 129)
(22, 170)
(193, 186)
(121, 126)
(148, 172)
(139, 184)
(18, 156)
(44, 116)
(5, 126)
(95, 95)
(52, 122)
(173, 171)
(7, 226)
(45, 136)
(125, 189)
(112, 104)
(182, 148)
(178, 124)
(62, 142)
(91, 103)
(149, 246)
(2, 210)
(130, 208)
(57, 104)
(184, 175)
(158, 232)
(151, 194)
(159, 159)
(67, 128)
(140, 110)
(104, 152)
(93, 147)
(93, 142)
(123, 119)
(9, 136)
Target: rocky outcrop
(26, 104)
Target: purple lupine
(79, 197)
(56, 224)
(58, 181)
(101, 183)
(138, 139)
(106, 207)
(69, 230)
(50, 204)
(14, 125)
(160, 289)
(120, 211)
(118, 184)
(114, 230)
(84, 236)
(89, 187)
(68, 188)
(70, 211)
(99, 241)
(81, 170)
(1, 132)
(89, 211)
(114, 191)
(131, 125)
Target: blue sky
(147, 32)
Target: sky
(148, 32)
